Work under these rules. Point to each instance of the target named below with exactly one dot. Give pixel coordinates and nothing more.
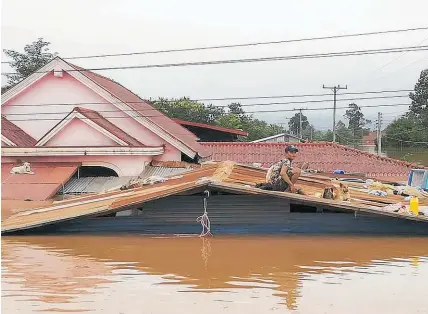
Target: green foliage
(294, 123)
(189, 110)
(419, 97)
(356, 122)
(234, 118)
(412, 128)
(405, 131)
(35, 56)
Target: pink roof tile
(322, 156)
(47, 179)
(97, 118)
(146, 110)
(15, 134)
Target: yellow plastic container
(414, 206)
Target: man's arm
(285, 177)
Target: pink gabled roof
(146, 110)
(97, 118)
(15, 134)
(211, 127)
(322, 156)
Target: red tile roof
(322, 156)
(15, 134)
(146, 110)
(97, 118)
(211, 127)
(47, 179)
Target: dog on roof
(25, 168)
(337, 193)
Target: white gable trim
(7, 141)
(81, 151)
(58, 64)
(81, 117)
(28, 81)
(123, 106)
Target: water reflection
(132, 274)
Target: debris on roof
(226, 176)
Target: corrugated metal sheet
(238, 214)
(47, 179)
(162, 171)
(98, 184)
(92, 184)
(225, 177)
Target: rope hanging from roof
(204, 219)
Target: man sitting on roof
(281, 176)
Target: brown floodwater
(137, 274)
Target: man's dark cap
(291, 149)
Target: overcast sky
(79, 28)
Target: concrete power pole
(379, 133)
(334, 89)
(300, 122)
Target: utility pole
(379, 133)
(300, 121)
(334, 89)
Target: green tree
(419, 97)
(413, 126)
(35, 56)
(344, 134)
(356, 122)
(405, 131)
(189, 110)
(294, 123)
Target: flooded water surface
(133, 274)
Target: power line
(217, 106)
(259, 111)
(245, 44)
(252, 60)
(303, 95)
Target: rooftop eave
(81, 151)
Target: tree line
(411, 127)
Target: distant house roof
(146, 110)
(369, 138)
(14, 135)
(275, 136)
(211, 127)
(322, 156)
(99, 120)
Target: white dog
(24, 169)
